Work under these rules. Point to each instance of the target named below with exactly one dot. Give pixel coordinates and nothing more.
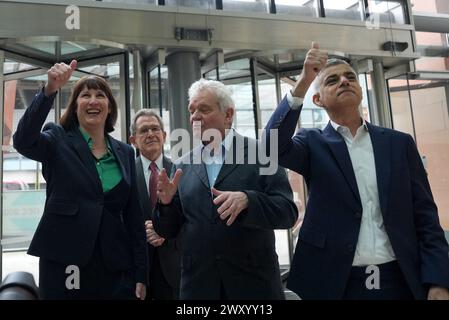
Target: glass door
(23, 192)
(420, 107)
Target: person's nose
(93, 100)
(344, 81)
(196, 116)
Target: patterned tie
(153, 184)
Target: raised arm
(293, 152)
(28, 139)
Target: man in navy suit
(227, 209)
(371, 228)
(148, 136)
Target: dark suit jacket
(70, 224)
(170, 251)
(240, 257)
(329, 234)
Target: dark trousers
(392, 284)
(96, 281)
(159, 288)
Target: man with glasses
(148, 136)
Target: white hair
(223, 93)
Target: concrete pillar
(183, 69)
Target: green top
(107, 166)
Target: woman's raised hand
(58, 75)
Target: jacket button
(350, 248)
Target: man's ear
(132, 139)
(230, 114)
(317, 99)
(164, 134)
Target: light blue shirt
(213, 160)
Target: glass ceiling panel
(11, 66)
(68, 47)
(44, 46)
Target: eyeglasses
(145, 130)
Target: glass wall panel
(247, 5)
(158, 99)
(206, 4)
(267, 99)
(420, 108)
(430, 6)
(68, 47)
(387, 11)
(133, 1)
(244, 121)
(433, 47)
(401, 109)
(344, 9)
(12, 66)
(430, 111)
(307, 8)
(23, 191)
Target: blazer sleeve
(28, 139)
(293, 153)
(136, 226)
(433, 245)
(272, 208)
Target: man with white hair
(227, 209)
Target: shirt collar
(89, 141)
(146, 162)
(336, 125)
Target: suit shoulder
(393, 133)
(53, 126)
(126, 147)
(185, 159)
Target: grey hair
(223, 93)
(146, 113)
(330, 63)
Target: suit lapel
(230, 163)
(142, 189)
(167, 164)
(341, 155)
(85, 155)
(121, 158)
(198, 166)
(382, 157)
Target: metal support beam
(255, 92)
(126, 107)
(58, 97)
(2, 60)
(136, 102)
(381, 107)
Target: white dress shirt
(146, 168)
(373, 246)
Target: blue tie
(213, 169)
